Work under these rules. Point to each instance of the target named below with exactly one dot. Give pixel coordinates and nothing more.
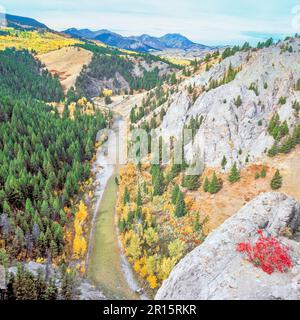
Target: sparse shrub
(238, 101)
(267, 253)
(282, 100)
(257, 175)
(263, 172)
(253, 86)
(276, 182)
(107, 100)
(297, 87)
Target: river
(106, 264)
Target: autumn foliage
(267, 253)
(154, 239)
(79, 242)
(34, 40)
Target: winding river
(107, 267)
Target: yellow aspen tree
(152, 280)
(134, 248)
(76, 247)
(166, 266)
(82, 212)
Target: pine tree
(41, 285)
(276, 182)
(175, 193)
(45, 209)
(126, 198)
(224, 162)
(158, 187)
(173, 79)
(122, 225)
(157, 180)
(132, 116)
(68, 286)
(263, 172)
(180, 210)
(197, 224)
(191, 182)
(139, 200)
(214, 186)
(234, 174)
(51, 291)
(66, 112)
(206, 185)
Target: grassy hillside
(121, 72)
(66, 63)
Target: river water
(104, 168)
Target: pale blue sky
(209, 21)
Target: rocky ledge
(216, 271)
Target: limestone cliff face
(238, 133)
(215, 270)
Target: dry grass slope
(66, 63)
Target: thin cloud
(213, 22)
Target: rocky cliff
(238, 131)
(215, 270)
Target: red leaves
(267, 253)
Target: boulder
(216, 271)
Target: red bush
(267, 253)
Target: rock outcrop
(216, 271)
(238, 132)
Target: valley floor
(107, 266)
(105, 262)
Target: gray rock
(216, 271)
(226, 128)
(88, 292)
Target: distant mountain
(177, 41)
(116, 40)
(143, 43)
(151, 42)
(24, 23)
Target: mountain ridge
(15, 21)
(144, 42)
